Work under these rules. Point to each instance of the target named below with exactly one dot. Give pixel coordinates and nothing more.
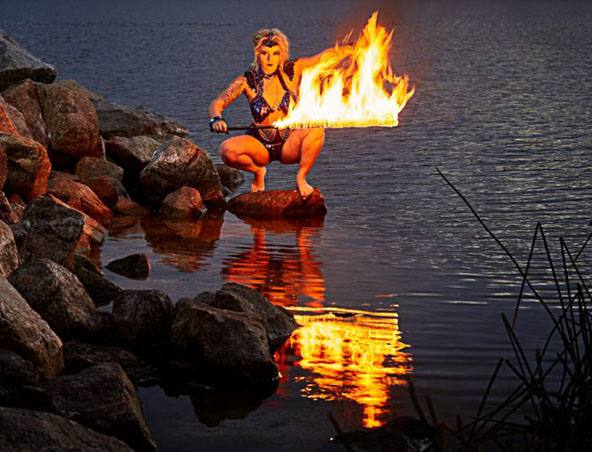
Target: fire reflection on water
(350, 354)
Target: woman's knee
(227, 152)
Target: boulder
(95, 167)
(12, 119)
(234, 344)
(25, 99)
(133, 153)
(143, 316)
(7, 126)
(102, 398)
(126, 121)
(28, 430)
(15, 372)
(7, 214)
(71, 123)
(108, 189)
(9, 256)
(278, 203)
(3, 166)
(92, 232)
(80, 197)
(49, 229)
(231, 178)
(24, 332)
(28, 166)
(82, 261)
(184, 203)
(73, 85)
(180, 163)
(100, 289)
(17, 64)
(279, 323)
(79, 356)
(58, 296)
(127, 208)
(132, 266)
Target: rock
(28, 430)
(73, 85)
(277, 203)
(24, 98)
(231, 178)
(108, 189)
(6, 124)
(58, 296)
(100, 289)
(83, 262)
(102, 398)
(95, 167)
(16, 208)
(7, 213)
(17, 64)
(80, 197)
(133, 153)
(28, 166)
(132, 266)
(233, 343)
(143, 316)
(48, 229)
(71, 123)
(180, 163)
(24, 332)
(79, 356)
(92, 232)
(15, 372)
(278, 322)
(9, 114)
(3, 166)
(126, 121)
(126, 207)
(9, 256)
(184, 203)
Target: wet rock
(80, 197)
(24, 98)
(58, 296)
(143, 316)
(3, 166)
(9, 256)
(231, 178)
(180, 163)
(132, 266)
(83, 262)
(184, 203)
(28, 166)
(277, 203)
(17, 64)
(71, 123)
(126, 121)
(234, 344)
(279, 323)
(102, 398)
(133, 153)
(48, 229)
(24, 332)
(15, 372)
(95, 167)
(79, 356)
(108, 189)
(28, 430)
(10, 114)
(127, 208)
(7, 214)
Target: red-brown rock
(106, 188)
(80, 197)
(7, 213)
(3, 167)
(71, 122)
(95, 167)
(6, 123)
(183, 203)
(16, 117)
(128, 208)
(24, 97)
(28, 166)
(278, 204)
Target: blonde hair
(275, 35)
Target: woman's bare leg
(303, 146)
(248, 154)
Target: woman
(270, 85)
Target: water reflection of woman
(270, 85)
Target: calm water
(399, 279)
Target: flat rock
(133, 153)
(95, 166)
(231, 178)
(24, 430)
(80, 197)
(24, 332)
(24, 98)
(178, 163)
(132, 266)
(17, 64)
(184, 203)
(278, 203)
(103, 398)
(108, 189)
(28, 166)
(48, 228)
(58, 296)
(10, 259)
(9, 112)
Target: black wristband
(214, 120)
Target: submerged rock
(278, 204)
(24, 97)
(231, 178)
(9, 255)
(17, 64)
(132, 266)
(184, 203)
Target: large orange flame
(351, 86)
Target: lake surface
(399, 279)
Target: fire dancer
(270, 85)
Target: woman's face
(269, 59)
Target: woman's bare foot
(259, 180)
(304, 188)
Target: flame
(351, 86)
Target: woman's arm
(224, 99)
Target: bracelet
(215, 119)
